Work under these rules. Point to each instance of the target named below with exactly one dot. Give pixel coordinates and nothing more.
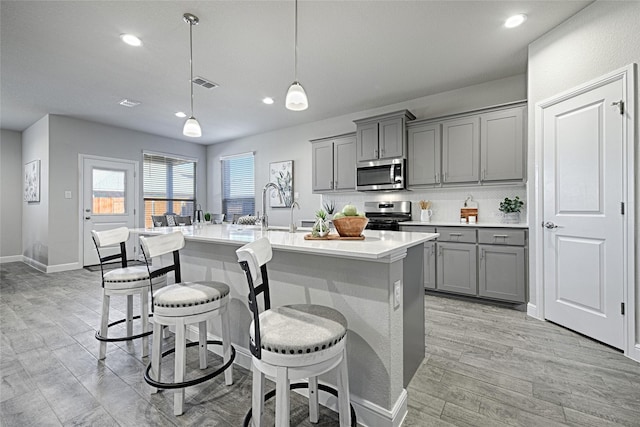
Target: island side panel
(362, 290)
(413, 300)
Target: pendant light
(296, 99)
(191, 126)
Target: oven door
(381, 175)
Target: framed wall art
(32, 181)
(281, 173)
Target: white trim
(627, 75)
(136, 195)
(169, 155)
(34, 264)
(63, 267)
(11, 258)
(532, 310)
(238, 156)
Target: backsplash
(445, 202)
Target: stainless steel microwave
(381, 175)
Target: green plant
(329, 206)
(207, 217)
(508, 205)
(321, 214)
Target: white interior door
(583, 236)
(109, 202)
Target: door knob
(87, 217)
(550, 225)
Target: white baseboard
(11, 258)
(635, 353)
(532, 310)
(34, 264)
(63, 267)
(368, 413)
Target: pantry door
(108, 201)
(584, 223)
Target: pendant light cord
(295, 49)
(191, 63)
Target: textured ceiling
(65, 57)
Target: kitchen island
(376, 283)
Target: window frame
(243, 202)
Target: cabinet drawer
(456, 234)
(418, 228)
(501, 236)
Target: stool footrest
(330, 390)
(157, 384)
(127, 338)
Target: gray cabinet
(502, 145)
(461, 150)
(382, 137)
(423, 153)
(477, 261)
(334, 164)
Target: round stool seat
(300, 328)
(189, 298)
(129, 278)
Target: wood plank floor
(485, 366)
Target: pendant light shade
(296, 99)
(191, 126)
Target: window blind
(169, 185)
(238, 185)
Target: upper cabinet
(382, 137)
(334, 164)
(483, 148)
(502, 148)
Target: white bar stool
(179, 305)
(292, 342)
(128, 281)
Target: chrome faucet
(292, 226)
(264, 220)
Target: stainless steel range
(387, 215)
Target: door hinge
(622, 308)
(622, 208)
(620, 105)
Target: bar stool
(179, 305)
(127, 281)
(292, 342)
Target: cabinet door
(367, 142)
(502, 145)
(461, 150)
(392, 138)
(344, 163)
(322, 166)
(502, 273)
(430, 265)
(457, 268)
(423, 154)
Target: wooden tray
(332, 237)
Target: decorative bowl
(350, 226)
(217, 218)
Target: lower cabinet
(457, 268)
(476, 261)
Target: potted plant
(321, 227)
(511, 210)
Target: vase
(511, 218)
(425, 215)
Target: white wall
(10, 195)
(35, 215)
(601, 38)
(293, 143)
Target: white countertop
(458, 224)
(376, 245)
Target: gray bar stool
(128, 281)
(292, 342)
(179, 305)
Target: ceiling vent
(129, 103)
(207, 84)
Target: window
(169, 186)
(238, 185)
(108, 187)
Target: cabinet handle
(331, 184)
(439, 250)
(437, 178)
(455, 234)
(445, 177)
(382, 152)
(375, 153)
(500, 236)
(484, 173)
(481, 254)
(335, 185)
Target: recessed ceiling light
(515, 20)
(181, 114)
(129, 103)
(131, 40)
(268, 100)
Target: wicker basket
(350, 226)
